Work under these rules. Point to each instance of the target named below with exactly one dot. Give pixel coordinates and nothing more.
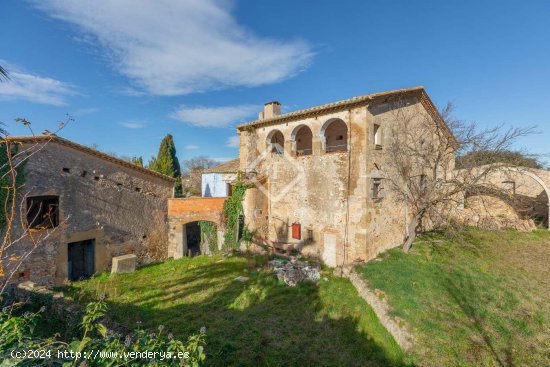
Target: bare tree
(198, 163)
(420, 152)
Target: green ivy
(233, 208)
(209, 233)
(6, 191)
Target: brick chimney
(271, 109)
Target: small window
(377, 188)
(309, 235)
(66, 170)
(377, 136)
(137, 189)
(96, 178)
(509, 187)
(43, 212)
(229, 189)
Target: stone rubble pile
(293, 271)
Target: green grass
(482, 299)
(257, 323)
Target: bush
(97, 346)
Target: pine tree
(166, 162)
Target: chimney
(271, 109)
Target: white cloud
(191, 147)
(176, 47)
(34, 88)
(85, 111)
(233, 142)
(213, 116)
(132, 124)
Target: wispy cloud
(34, 88)
(232, 142)
(132, 124)
(176, 47)
(191, 147)
(84, 111)
(213, 116)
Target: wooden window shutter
(296, 231)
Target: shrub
(97, 346)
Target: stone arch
(334, 136)
(302, 140)
(540, 181)
(275, 142)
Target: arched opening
(276, 142)
(199, 238)
(334, 136)
(303, 138)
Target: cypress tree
(166, 161)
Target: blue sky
(130, 71)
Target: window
(377, 188)
(229, 189)
(377, 136)
(309, 237)
(42, 212)
(509, 187)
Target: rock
(124, 264)
(294, 271)
(241, 279)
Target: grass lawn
(481, 300)
(260, 322)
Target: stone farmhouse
(85, 207)
(318, 174)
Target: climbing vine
(233, 209)
(209, 235)
(7, 188)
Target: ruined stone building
(85, 207)
(318, 175)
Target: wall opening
(43, 212)
(276, 142)
(304, 141)
(192, 238)
(81, 259)
(377, 136)
(335, 134)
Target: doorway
(81, 259)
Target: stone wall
(118, 206)
(327, 193)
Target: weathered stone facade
(513, 198)
(101, 198)
(327, 180)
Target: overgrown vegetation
(259, 322)
(506, 156)
(209, 235)
(479, 299)
(17, 334)
(233, 209)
